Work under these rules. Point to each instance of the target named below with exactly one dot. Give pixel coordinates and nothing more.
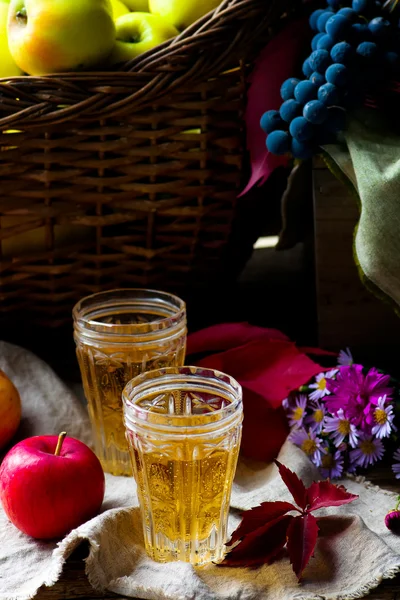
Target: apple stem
(22, 16)
(60, 442)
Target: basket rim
(227, 33)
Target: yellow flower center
(318, 415)
(327, 461)
(322, 384)
(380, 416)
(298, 413)
(309, 447)
(344, 427)
(367, 447)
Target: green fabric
(371, 165)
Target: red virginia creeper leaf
(258, 517)
(302, 537)
(295, 486)
(228, 335)
(323, 494)
(260, 547)
(271, 368)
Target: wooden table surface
(74, 584)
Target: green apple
(8, 68)
(137, 5)
(182, 13)
(137, 33)
(54, 36)
(118, 9)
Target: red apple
(49, 485)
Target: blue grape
(302, 150)
(307, 68)
(319, 61)
(336, 120)
(318, 79)
(290, 110)
(338, 27)
(271, 120)
(279, 142)
(287, 89)
(342, 53)
(314, 18)
(392, 59)
(315, 112)
(379, 27)
(360, 33)
(362, 6)
(367, 50)
(325, 43)
(328, 94)
(335, 4)
(349, 13)
(301, 129)
(315, 40)
(305, 91)
(337, 74)
(322, 21)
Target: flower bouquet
(345, 419)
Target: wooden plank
(348, 314)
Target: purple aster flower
(341, 428)
(316, 419)
(383, 419)
(396, 464)
(309, 443)
(368, 452)
(332, 465)
(320, 386)
(298, 412)
(358, 394)
(345, 358)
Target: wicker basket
(127, 178)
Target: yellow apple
(182, 13)
(137, 33)
(60, 35)
(137, 5)
(8, 68)
(118, 9)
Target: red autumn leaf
(261, 546)
(295, 486)
(271, 368)
(302, 535)
(258, 516)
(323, 494)
(228, 335)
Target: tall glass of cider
(120, 334)
(184, 429)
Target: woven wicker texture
(127, 178)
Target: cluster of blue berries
(355, 47)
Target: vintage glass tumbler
(184, 429)
(120, 334)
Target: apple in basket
(137, 33)
(182, 13)
(49, 485)
(118, 9)
(8, 68)
(60, 35)
(137, 5)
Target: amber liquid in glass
(105, 372)
(184, 489)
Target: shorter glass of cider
(184, 429)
